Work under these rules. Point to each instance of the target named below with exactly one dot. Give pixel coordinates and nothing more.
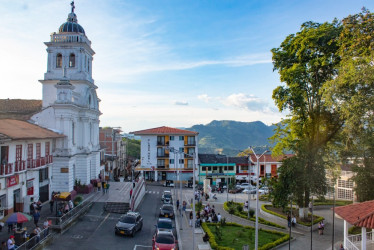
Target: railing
(162, 143)
(190, 144)
(35, 241)
(60, 222)
(6, 169)
(354, 241)
(63, 38)
(163, 155)
(35, 163)
(189, 166)
(19, 166)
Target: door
(44, 193)
(273, 170)
(17, 200)
(262, 170)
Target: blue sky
(174, 63)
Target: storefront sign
(13, 180)
(30, 187)
(64, 170)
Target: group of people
(321, 227)
(208, 214)
(64, 207)
(101, 184)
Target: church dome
(72, 23)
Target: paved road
(95, 230)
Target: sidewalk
(30, 226)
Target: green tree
(133, 147)
(351, 93)
(305, 61)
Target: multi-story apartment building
(26, 163)
(166, 151)
(114, 149)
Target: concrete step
(117, 207)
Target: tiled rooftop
(359, 214)
(16, 130)
(164, 131)
(20, 106)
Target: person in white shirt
(219, 217)
(11, 243)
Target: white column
(345, 232)
(363, 242)
(155, 175)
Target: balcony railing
(191, 143)
(40, 162)
(354, 241)
(163, 155)
(162, 143)
(19, 166)
(6, 169)
(188, 156)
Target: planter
(85, 189)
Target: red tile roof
(164, 131)
(17, 130)
(359, 214)
(20, 105)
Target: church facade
(70, 106)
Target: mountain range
(232, 137)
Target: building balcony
(188, 156)
(160, 143)
(163, 166)
(40, 162)
(190, 144)
(19, 166)
(163, 155)
(6, 169)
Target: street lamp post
(257, 196)
(227, 179)
(289, 240)
(249, 195)
(180, 199)
(193, 206)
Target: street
(95, 230)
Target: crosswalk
(152, 192)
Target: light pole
(249, 191)
(257, 196)
(180, 199)
(289, 240)
(193, 206)
(227, 179)
(311, 226)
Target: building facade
(165, 152)
(115, 152)
(70, 105)
(26, 163)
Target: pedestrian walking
(107, 187)
(219, 217)
(11, 243)
(321, 227)
(341, 247)
(32, 208)
(36, 217)
(98, 186)
(1, 226)
(104, 187)
(46, 227)
(177, 205)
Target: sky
(170, 63)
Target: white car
(250, 190)
(245, 185)
(263, 190)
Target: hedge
(214, 245)
(315, 221)
(244, 215)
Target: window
(209, 168)
(191, 140)
(203, 168)
(160, 140)
(160, 152)
(71, 60)
(43, 174)
(181, 149)
(30, 149)
(73, 132)
(231, 168)
(214, 168)
(38, 151)
(181, 138)
(88, 64)
(172, 138)
(160, 163)
(191, 151)
(59, 61)
(181, 161)
(171, 161)
(18, 153)
(47, 148)
(190, 163)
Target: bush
(239, 207)
(78, 199)
(354, 230)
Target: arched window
(71, 60)
(88, 64)
(89, 100)
(59, 61)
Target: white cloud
(245, 101)
(181, 103)
(204, 97)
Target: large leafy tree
(351, 92)
(305, 61)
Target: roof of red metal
(359, 214)
(164, 131)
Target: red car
(164, 240)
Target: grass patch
(279, 212)
(331, 202)
(236, 209)
(234, 236)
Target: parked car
(244, 185)
(164, 240)
(167, 211)
(169, 183)
(166, 197)
(235, 190)
(251, 190)
(129, 224)
(164, 224)
(263, 190)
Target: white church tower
(71, 106)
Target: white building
(70, 105)
(165, 151)
(26, 161)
